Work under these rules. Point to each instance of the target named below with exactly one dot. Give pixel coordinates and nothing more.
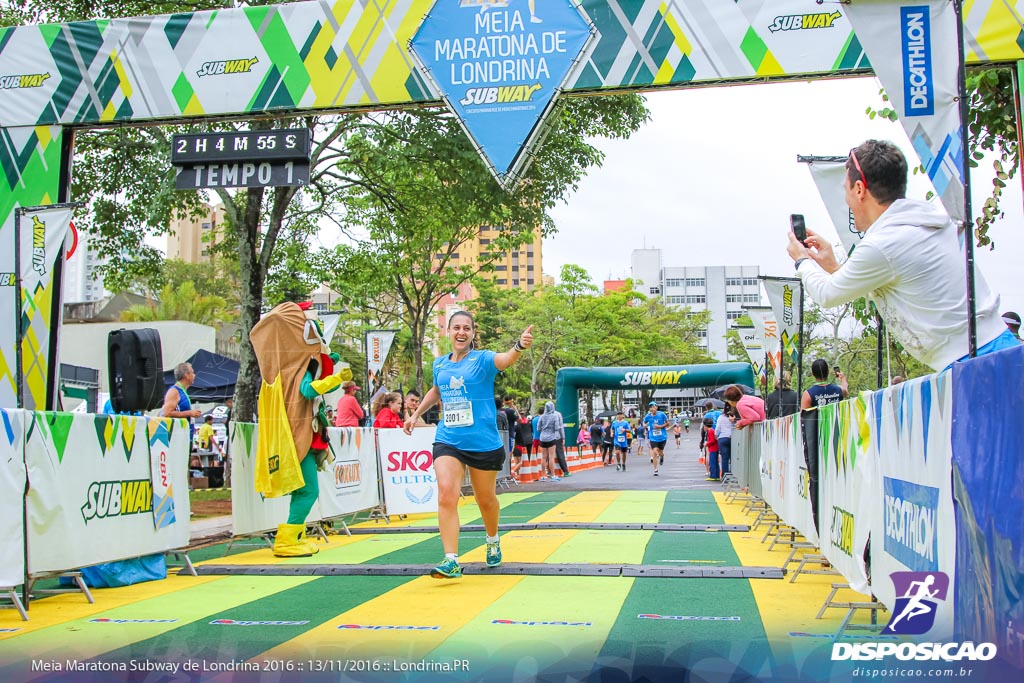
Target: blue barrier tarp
(988, 491)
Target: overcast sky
(712, 178)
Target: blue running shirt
(656, 433)
(620, 428)
(468, 414)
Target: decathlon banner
(987, 475)
(41, 233)
(848, 492)
(755, 351)
(911, 426)
(91, 493)
(378, 346)
(499, 66)
(768, 331)
(782, 437)
(828, 178)
(12, 496)
(913, 49)
(350, 483)
(407, 466)
(784, 296)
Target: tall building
(192, 238)
(722, 290)
(80, 283)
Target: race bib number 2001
(458, 414)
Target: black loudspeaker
(135, 362)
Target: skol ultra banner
(912, 48)
(41, 232)
(378, 346)
(768, 331)
(784, 296)
(755, 351)
(12, 493)
(828, 178)
(407, 466)
(91, 495)
(849, 494)
(790, 481)
(915, 530)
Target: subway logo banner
(784, 295)
(91, 498)
(914, 420)
(847, 492)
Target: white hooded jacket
(911, 265)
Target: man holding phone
(909, 262)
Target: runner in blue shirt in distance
(619, 429)
(657, 430)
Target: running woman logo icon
(917, 597)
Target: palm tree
(183, 303)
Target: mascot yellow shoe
(291, 541)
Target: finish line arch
(569, 381)
(347, 56)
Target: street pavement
(681, 470)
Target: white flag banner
(12, 497)
(755, 350)
(784, 297)
(915, 529)
(768, 330)
(41, 234)
(378, 345)
(330, 322)
(913, 50)
(828, 178)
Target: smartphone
(836, 370)
(796, 224)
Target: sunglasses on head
(856, 163)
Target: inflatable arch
(569, 381)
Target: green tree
(182, 303)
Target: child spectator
(711, 442)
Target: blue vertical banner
(499, 65)
(987, 475)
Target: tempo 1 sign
(267, 158)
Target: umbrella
(717, 393)
(606, 413)
(714, 401)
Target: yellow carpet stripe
(785, 606)
(602, 547)
(73, 637)
(447, 604)
(583, 507)
(635, 506)
(70, 606)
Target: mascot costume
(297, 369)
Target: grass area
(209, 494)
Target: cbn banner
(784, 296)
(915, 530)
(912, 48)
(791, 482)
(378, 346)
(91, 497)
(41, 232)
(848, 490)
(768, 330)
(12, 495)
(755, 351)
(407, 467)
(828, 177)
